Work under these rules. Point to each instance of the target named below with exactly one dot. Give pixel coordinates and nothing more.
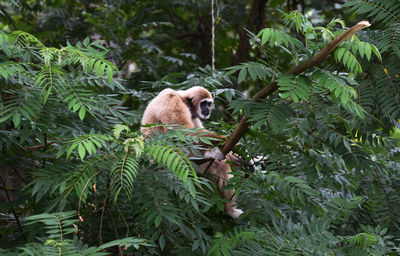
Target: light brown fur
(173, 107)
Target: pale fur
(170, 107)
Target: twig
(41, 145)
(115, 230)
(212, 36)
(44, 149)
(6, 189)
(102, 214)
(123, 218)
(84, 188)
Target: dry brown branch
(84, 188)
(41, 145)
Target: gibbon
(186, 108)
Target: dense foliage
(77, 178)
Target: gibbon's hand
(215, 153)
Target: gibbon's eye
(204, 104)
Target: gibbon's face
(205, 107)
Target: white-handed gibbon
(186, 108)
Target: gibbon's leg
(219, 172)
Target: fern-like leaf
(123, 175)
(174, 160)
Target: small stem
(102, 214)
(44, 149)
(9, 200)
(212, 36)
(84, 188)
(115, 230)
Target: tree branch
(272, 87)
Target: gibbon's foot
(234, 212)
(215, 153)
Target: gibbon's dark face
(205, 107)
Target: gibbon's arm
(197, 123)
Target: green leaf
(368, 51)
(76, 106)
(82, 112)
(346, 144)
(344, 97)
(340, 52)
(157, 220)
(4, 118)
(72, 102)
(162, 242)
(253, 73)
(242, 75)
(71, 148)
(361, 49)
(99, 68)
(376, 52)
(16, 119)
(86, 41)
(89, 146)
(109, 73)
(265, 35)
(24, 113)
(81, 150)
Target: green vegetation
(77, 178)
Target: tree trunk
(255, 22)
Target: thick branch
(315, 60)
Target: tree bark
(203, 29)
(255, 22)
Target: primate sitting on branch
(186, 108)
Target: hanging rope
(212, 36)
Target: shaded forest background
(77, 178)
